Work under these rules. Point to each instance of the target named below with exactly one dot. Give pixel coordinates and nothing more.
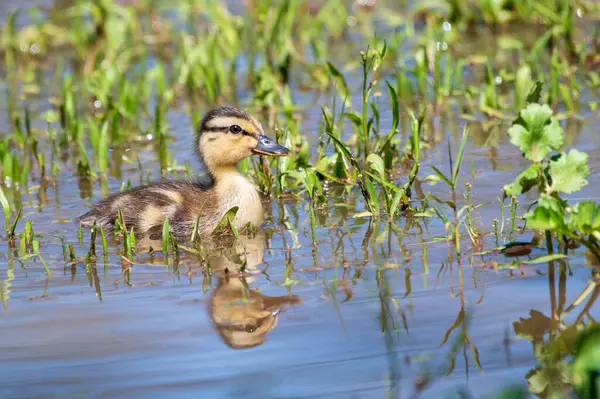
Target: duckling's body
(225, 136)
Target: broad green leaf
(524, 182)
(536, 132)
(569, 172)
(585, 217)
(547, 215)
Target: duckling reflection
(243, 316)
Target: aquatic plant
(538, 135)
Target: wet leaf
(372, 192)
(585, 217)
(547, 215)
(545, 259)
(377, 164)
(227, 218)
(536, 132)
(569, 172)
(524, 182)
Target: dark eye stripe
(225, 129)
(217, 129)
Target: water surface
(361, 312)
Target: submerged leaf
(536, 132)
(569, 172)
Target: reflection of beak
(266, 146)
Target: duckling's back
(145, 208)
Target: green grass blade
(395, 107)
(165, 236)
(441, 175)
(460, 155)
(5, 208)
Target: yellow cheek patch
(251, 141)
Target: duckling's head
(227, 135)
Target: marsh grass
(121, 73)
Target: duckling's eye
(235, 129)
(250, 328)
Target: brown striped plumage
(225, 136)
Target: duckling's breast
(236, 190)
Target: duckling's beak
(266, 146)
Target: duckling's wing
(145, 208)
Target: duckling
(225, 136)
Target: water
(308, 319)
